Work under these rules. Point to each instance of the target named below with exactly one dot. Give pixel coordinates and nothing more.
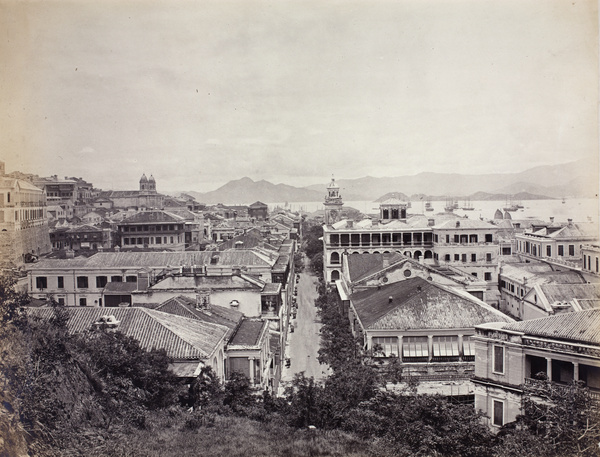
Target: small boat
(428, 206)
(563, 200)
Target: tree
(304, 397)
(238, 393)
(557, 420)
(421, 425)
(206, 389)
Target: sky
(198, 93)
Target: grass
(228, 437)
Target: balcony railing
(542, 386)
(396, 244)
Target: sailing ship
(511, 205)
(468, 206)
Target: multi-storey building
(152, 230)
(23, 220)
(516, 281)
(78, 237)
(469, 244)
(258, 211)
(81, 281)
(75, 190)
(558, 243)
(509, 356)
(590, 259)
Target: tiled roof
(232, 282)
(22, 184)
(186, 307)
(362, 265)
(258, 204)
(582, 326)
(540, 273)
(249, 239)
(120, 193)
(146, 217)
(180, 337)
(248, 333)
(393, 201)
(566, 292)
(465, 224)
(271, 288)
(419, 304)
(241, 257)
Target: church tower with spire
(333, 203)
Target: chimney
(390, 299)
(419, 288)
(106, 323)
(430, 222)
(457, 224)
(552, 219)
(570, 222)
(349, 223)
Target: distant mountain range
(550, 181)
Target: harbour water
(578, 209)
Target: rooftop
(582, 326)
(138, 260)
(186, 307)
(418, 304)
(248, 333)
(180, 337)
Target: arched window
(335, 257)
(335, 275)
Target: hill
(572, 179)
(247, 191)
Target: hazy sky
(199, 93)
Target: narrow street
(304, 341)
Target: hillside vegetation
(99, 394)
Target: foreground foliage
(99, 394)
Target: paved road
(304, 342)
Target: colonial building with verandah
(425, 327)
(509, 356)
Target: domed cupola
(151, 183)
(143, 182)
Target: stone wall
(15, 244)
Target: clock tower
(333, 203)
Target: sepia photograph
(289, 228)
